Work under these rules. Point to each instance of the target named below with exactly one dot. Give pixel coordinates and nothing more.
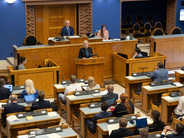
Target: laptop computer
(9, 86)
(30, 98)
(141, 123)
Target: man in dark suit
(122, 131)
(110, 94)
(85, 51)
(160, 74)
(41, 104)
(102, 114)
(13, 108)
(4, 92)
(178, 131)
(67, 30)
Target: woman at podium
(86, 51)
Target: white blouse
(179, 110)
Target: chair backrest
(136, 28)
(25, 132)
(7, 115)
(48, 109)
(139, 19)
(30, 40)
(64, 126)
(84, 105)
(156, 132)
(128, 19)
(158, 25)
(149, 18)
(147, 27)
(70, 93)
(157, 31)
(103, 120)
(176, 30)
(4, 101)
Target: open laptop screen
(30, 98)
(9, 86)
(140, 123)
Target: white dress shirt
(72, 87)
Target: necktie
(87, 53)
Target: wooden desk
(37, 121)
(102, 128)
(167, 106)
(43, 78)
(64, 55)
(179, 76)
(171, 46)
(131, 82)
(125, 67)
(148, 91)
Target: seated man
(178, 131)
(13, 108)
(73, 87)
(144, 133)
(67, 30)
(110, 94)
(41, 104)
(4, 92)
(102, 114)
(122, 131)
(159, 74)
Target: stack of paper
(71, 97)
(50, 114)
(29, 118)
(12, 118)
(53, 135)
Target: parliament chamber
(92, 69)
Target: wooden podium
(91, 67)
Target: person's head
(73, 79)
(179, 128)
(124, 99)
(155, 115)
(86, 44)
(91, 82)
(29, 86)
(144, 133)
(67, 23)
(23, 60)
(123, 122)
(159, 65)
(13, 98)
(137, 50)
(104, 106)
(182, 91)
(2, 81)
(41, 95)
(110, 88)
(103, 28)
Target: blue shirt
(140, 55)
(25, 93)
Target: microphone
(96, 52)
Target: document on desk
(12, 118)
(178, 84)
(112, 127)
(71, 97)
(181, 71)
(73, 36)
(53, 135)
(50, 114)
(81, 84)
(23, 136)
(59, 86)
(147, 87)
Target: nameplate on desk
(116, 120)
(174, 94)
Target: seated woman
(179, 110)
(137, 53)
(125, 107)
(29, 89)
(22, 62)
(85, 52)
(103, 33)
(92, 84)
(157, 125)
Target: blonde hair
(29, 87)
(181, 92)
(91, 82)
(86, 41)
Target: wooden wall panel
(30, 19)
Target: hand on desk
(84, 58)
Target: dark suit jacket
(156, 126)
(173, 136)
(82, 52)
(13, 108)
(109, 95)
(64, 31)
(4, 93)
(40, 105)
(122, 107)
(120, 133)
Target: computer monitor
(9, 86)
(181, 17)
(111, 102)
(141, 123)
(123, 55)
(29, 98)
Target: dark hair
(156, 115)
(73, 79)
(123, 122)
(124, 98)
(138, 50)
(41, 95)
(102, 30)
(2, 81)
(160, 65)
(179, 128)
(22, 59)
(104, 106)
